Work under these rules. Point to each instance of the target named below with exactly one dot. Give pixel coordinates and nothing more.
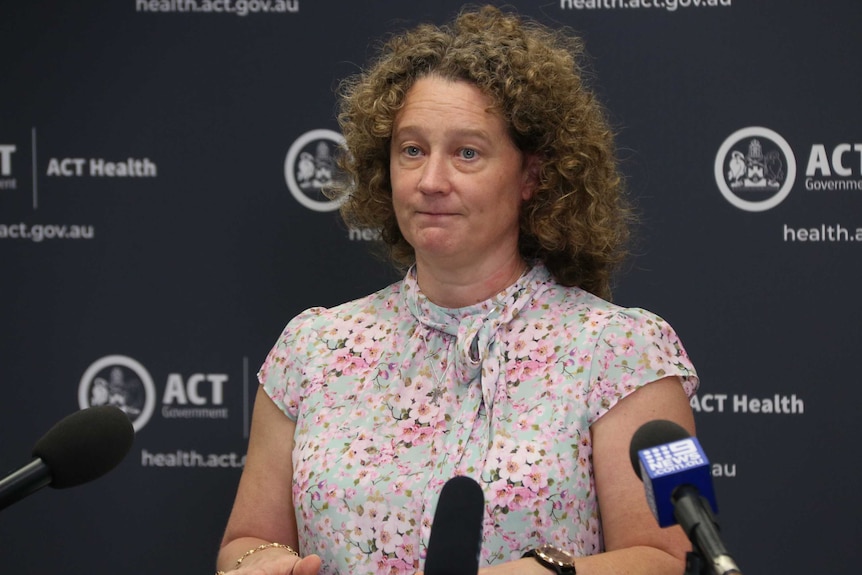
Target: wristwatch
(559, 561)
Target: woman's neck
(462, 287)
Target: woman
(488, 168)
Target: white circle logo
(122, 382)
(755, 169)
(310, 167)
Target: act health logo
(755, 169)
(7, 181)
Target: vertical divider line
(35, 172)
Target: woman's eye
(468, 153)
(412, 151)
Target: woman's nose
(435, 175)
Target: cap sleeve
(634, 348)
(282, 374)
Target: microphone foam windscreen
(85, 445)
(653, 433)
(456, 533)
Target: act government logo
(310, 168)
(122, 382)
(755, 169)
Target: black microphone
(79, 448)
(456, 533)
(678, 482)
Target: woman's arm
(263, 510)
(634, 542)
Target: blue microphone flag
(668, 466)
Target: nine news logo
(672, 457)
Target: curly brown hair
(577, 221)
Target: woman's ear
(531, 176)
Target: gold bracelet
(260, 548)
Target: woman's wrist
(262, 547)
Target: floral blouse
(394, 395)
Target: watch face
(557, 555)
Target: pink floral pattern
(393, 396)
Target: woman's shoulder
(571, 304)
(370, 308)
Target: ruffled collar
(476, 327)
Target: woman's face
(458, 180)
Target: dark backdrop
(164, 285)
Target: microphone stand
(695, 564)
(708, 555)
(32, 477)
